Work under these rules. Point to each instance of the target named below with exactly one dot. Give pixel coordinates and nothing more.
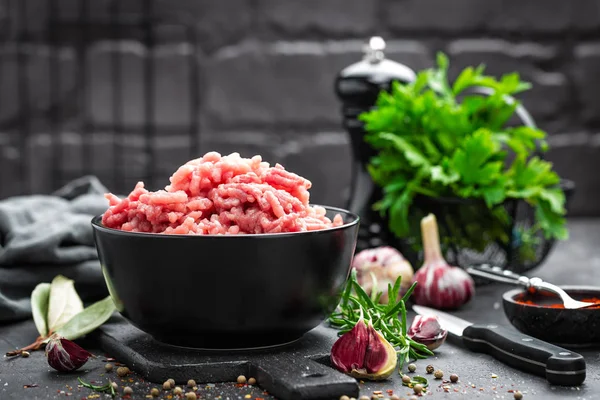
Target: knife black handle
(559, 366)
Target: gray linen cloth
(42, 236)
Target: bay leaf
(88, 320)
(39, 307)
(64, 302)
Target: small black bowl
(567, 328)
(227, 291)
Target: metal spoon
(501, 275)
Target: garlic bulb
(439, 285)
(381, 266)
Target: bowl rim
(508, 296)
(97, 225)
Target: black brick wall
(266, 70)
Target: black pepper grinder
(358, 86)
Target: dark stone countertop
(576, 261)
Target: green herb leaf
(88, 319)
(431, 142)
(39, 307)
(64, 302)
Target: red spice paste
(595, 300)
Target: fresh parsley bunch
(437, 139)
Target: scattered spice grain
(453, 378)
(190, 396)
(429, 369)
(241, 379)
(127, 390)
(108, 367)
(518, 395)
(191, 383)
(154, 392)
(251, 381)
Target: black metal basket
(520, 253)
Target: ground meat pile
(221, 195)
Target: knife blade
(558, 365)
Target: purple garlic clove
(427, 331)
(64, 355)
(364, 353)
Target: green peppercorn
(154, 392)
(454, 378)
(191, 383)
(429, 369)
(177, 391)
(108, 367)
(127, 390)
(344, 397)
(418, 388)
(406, 379)
(518, 395)
(439, 374)
(412, 367)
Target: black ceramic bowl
(568, 328)
(227, 291)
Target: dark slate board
(298, 370)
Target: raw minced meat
(218, 194)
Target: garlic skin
(385, 264)
(64, 355)
(439, 285)
(427, 331)
(364, 353)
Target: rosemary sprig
(389, 319)
(108, 388)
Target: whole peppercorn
(412, 367)
(108, 367)
(241, 379)
(191, 383)
(114, 385)
(154, 392)
(394, 397)
(172, 382)
(251, 381)
(177, 391)
(166, 385)
(190, 396)
(439, 374)
(418, 388)
(344, 397)
(25, 354)
(122, 371)
(406, 379)
(518, 395)
(429, 369)
(127, 390)
(363, 398)
(454, 378)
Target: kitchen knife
(559, 366)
